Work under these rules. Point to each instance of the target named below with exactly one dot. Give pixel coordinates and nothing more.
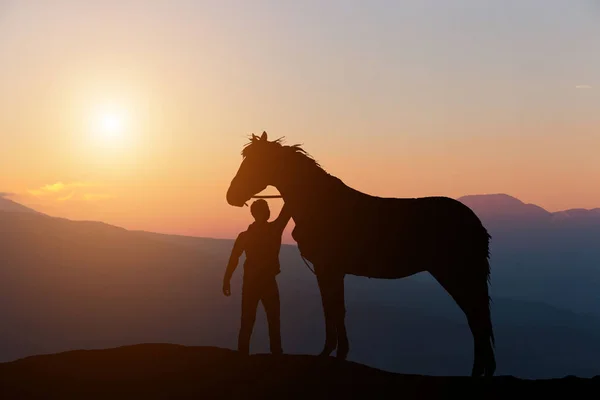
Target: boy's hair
(259, 207)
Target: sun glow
(114, 128)
(110, 126)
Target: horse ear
(263, 136)
(254, 137)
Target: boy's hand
(226, 288)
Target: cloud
(6, 194)
(583, 87)
(57, 188)
(62, 192)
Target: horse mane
(295, 151)
(296, 154)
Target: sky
(135, 112)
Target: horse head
(261, 165)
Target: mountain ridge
(8, 205)
(485, 206)
(496, 204)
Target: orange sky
(442, 110)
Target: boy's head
(260, 210)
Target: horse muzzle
(236, 197)
(234, 200)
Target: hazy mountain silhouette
(153, 371)
(504, 206)
(579, 215)
(497, 208)
(538, 255)
(8, 205)
(502, 212)
(68, 285)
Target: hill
(161, 371)
(66, 285)
(8, 205)
(504, 206)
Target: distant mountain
(504, 206)
(542, 256)
(8, 205)
(68, 285)
(515, 225)
(499, 207)
(167, 371)
(579, 214)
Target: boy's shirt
(261, 243)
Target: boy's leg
(270, 300)
(250, 299)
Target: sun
(110, 126)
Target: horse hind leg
(470, 291)
(480, 323)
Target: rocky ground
(152, 371)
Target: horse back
(390, 237)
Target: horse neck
(308, 189)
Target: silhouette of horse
(343, 231)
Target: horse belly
(384, 264)
(383, 273)
(394, 255)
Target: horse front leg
(331, 286)
(325, 287)
(338, 309)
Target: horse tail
(482, 314)
(488, 283)
(481, 267)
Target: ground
(153, 371)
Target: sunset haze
(135, 112)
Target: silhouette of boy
(261, 242)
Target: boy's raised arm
(283, 218)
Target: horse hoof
(326, 352)
(342, 354)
